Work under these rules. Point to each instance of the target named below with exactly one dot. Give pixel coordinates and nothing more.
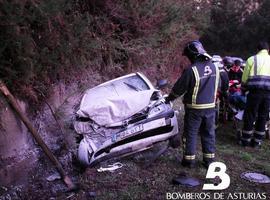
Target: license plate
(130, 131)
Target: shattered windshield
(135, 83)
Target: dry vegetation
(44, 42)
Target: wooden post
(10, 98)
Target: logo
(217, 169)
(207, 71)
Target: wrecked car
(121, 117)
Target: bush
(43, 42)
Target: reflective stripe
(201, 106)
(259, 133)
(217, 80)
(209, 155)
(246, 139)
(255, 65)
(247, 132)
(262, 82)
(259, 83)
(246, 135)
(197, 84)
(189, 157)
(257, 140)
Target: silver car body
(121, 117)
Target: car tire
(83, 153)
(175, 141)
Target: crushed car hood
(112, 103)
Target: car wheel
(175, 141)
(83, 152)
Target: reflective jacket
(256, 74)
(224, 78)
(199, 83)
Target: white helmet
(216, 58)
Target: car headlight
(157, 110)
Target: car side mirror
(162, 83)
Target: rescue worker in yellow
(199, 84)
(256, 79)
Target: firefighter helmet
(195, 49)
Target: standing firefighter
(199, 84)
(256, 79)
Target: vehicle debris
(53, 177)
(111, 168)
(186, 181)
(255, 177)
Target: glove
(169, 98)
(238, 86)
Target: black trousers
(257, 110)
(199, 121)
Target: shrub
(43, 42)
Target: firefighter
(199, 84)
(224, 86)
(217, 60)
(256, 79)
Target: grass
(139, 179)
(135, 181)
(155, 181)
(246, 156)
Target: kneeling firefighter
(199, 84)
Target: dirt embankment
(19, 153)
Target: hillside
(43, 42)
(52, 51)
